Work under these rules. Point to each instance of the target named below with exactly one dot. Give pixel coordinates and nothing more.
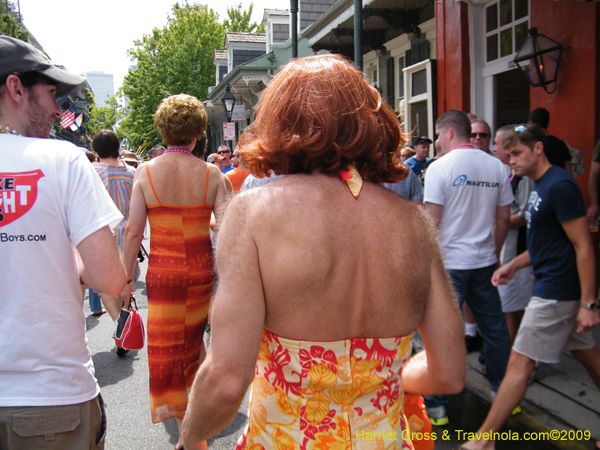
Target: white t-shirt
(470, 184)
(51, 199)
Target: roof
(220, 54)
(277, 12)
(255, 38)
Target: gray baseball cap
(17, 56)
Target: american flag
(68, 117)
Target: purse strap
(131, 302)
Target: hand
(586, 320)
(126, 292)
(503, 275)
(592, 213)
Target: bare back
(179, 180)
(335, 267)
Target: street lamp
(228, 102)
(539, 59)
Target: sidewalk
(565, 399)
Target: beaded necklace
(8, 130)
(177, 149)
(465, 144)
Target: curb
(527, 419)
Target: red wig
(319, 114)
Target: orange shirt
(237, 177)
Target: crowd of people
(312, 307)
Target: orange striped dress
(179, 283)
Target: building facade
(103, 87)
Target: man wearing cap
(52, 203)
(226, 154)
(418, 161)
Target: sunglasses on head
(481, 135)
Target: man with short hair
(156, 151)
(481, 135)
(516, 294)
(556, 150)
(468, 196)
(239, 173)
(53, 206)
(563, 308)
(226, 154)
(418, 161)
(117, 176)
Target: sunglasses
(222, 153)
(520, 128)
(481, 135)
(235, 155)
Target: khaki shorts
(80, 426)
(549, 327)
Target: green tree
(175, 59)
(105, 117)
(239, 20)
(10, 26)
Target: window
(374, 80)
(506, 27)
(401, 77)
(419, 97)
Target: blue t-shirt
(227, 168)
(416, 165)
(555, 198)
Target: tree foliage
(175, 59)
(105, 117)
(239, 20)
(10, 26)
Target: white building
(103, 87)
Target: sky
(94, 35)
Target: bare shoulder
(141, 172)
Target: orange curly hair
(319, 114)
(180, 118)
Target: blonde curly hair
(180, 119)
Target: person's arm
(516, 221)
(220, 202)
(592, 213)
(134, 231)
(416, 189)
(435, 211)
(441, 368)
(503, 274)
(102, 266)
(577, 231)
(237, 318)
(501, 227)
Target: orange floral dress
(328, 395)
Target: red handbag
(129, 332)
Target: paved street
(124, 383)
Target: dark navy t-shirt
(555, 198)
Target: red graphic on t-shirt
(18, 193)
